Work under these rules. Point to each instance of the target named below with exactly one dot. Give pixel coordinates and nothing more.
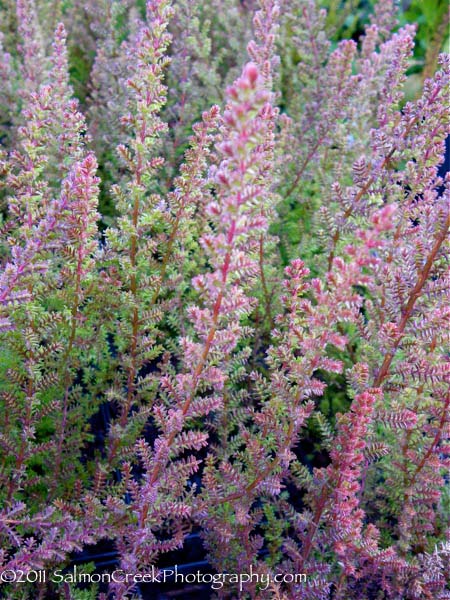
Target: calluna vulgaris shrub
(234, 246)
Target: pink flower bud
(251, 73)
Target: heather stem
(379, 379)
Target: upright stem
(266, 292)
(364, 190)
(65, 359)
(202, 362)
(381, 377)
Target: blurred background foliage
(347, 19)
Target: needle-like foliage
(223, 297)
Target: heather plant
(232, 248)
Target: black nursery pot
(188, 560)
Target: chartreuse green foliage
(224, 293)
